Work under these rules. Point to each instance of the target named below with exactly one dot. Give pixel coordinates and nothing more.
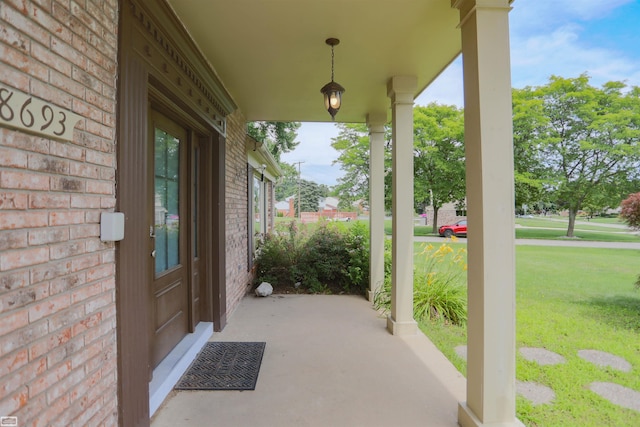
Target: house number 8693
(21, 111)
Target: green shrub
(439, 288)
(333, 256)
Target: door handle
(151, 233)
(153, 253)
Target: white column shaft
(376, 124)
(401, 90)
(490, 202)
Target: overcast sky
(548, 37)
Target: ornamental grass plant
(439, 285)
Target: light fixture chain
(331, 62)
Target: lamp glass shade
(332, 92)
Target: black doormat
(224, 366)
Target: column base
(466, 418)
(370, 295)
(401, 328)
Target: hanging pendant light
(332, 91)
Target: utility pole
(299, 209)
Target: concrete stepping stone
(461, 351)
(541, 356)
(604, 359)
(617, 394)
(538, 394)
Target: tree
(278, 136)
(310, 195)
(439, 165)
(352, 143)
(630, 212)
(579, 142)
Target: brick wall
(57, 285)
(236, 203)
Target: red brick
(17, 400)
(84, 231)
(23, 141)
(65, 351)
(100, 187)
(22, 376)
(13, 281)
(66, 318)
(87, 261)
(51, 376)
(16, 201)
(14, 220)
(50, 93)
(48, 235)
(92, 217)
(22, 62)
(22, 337)
(13, 240)
(97, 303)
(44, 55)
(51, 271)
(65, 283)
(65, 49)
(11, 363)
(48, 201)
(44, 346)
(24, 180)
(13, 321)
(67, 184)
(86, 110)
(84, 170)
(67, 150)
(100, 272)
(62, 387)
(55, 414)
(24, 296)
(32, 410)
(12, 158)
(23, 258)
(102, 159)
(14, 38)
(85, 292)
(52, 165)
(85, 202)
(66, 218)
(49, 306)
(66, 250)
(108, 202)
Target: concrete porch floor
(328, 361)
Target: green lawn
(563, 223)
(570, 299)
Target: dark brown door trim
(142, 43)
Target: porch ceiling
(272, 57)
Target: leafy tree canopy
(578, 142)
(439, 157)
(278, 136)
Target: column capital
(376, 121)
(468, 7)
(402, 88)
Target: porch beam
(401, 90)
(490, 201)
(375, 123)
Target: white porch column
(401, 90)
(376, 122)
(490, 203)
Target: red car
(457, 229)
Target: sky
(548, 37)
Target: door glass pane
(167, 200)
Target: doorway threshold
(169, 371)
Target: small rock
(264, 290)
(297, 285)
